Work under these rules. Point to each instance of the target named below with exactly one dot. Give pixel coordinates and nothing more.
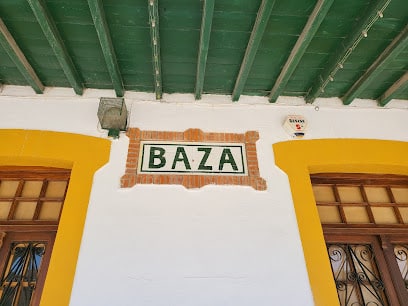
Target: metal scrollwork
(356, 276)
(401, 253)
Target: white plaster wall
(164, 245)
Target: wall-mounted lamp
(112, 115)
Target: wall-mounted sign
(295, 125)
(192, 158)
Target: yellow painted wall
(84, 155)
(301, 158)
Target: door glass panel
(19, 278)
(329, 214)
(404, 214)
(356, 275)
(4, 210)
(32, 189)
(377, 194)
(400, 195)
(384, 215)
(56, 189)
(350, 194)
(25, 210)
(356, 214)
(324, 194)
(401, 255)
(50, 211)
(8, 189)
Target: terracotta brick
(164, 179)
(176, 179)
(156, 179)
(251, 136)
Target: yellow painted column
(84, 155)
(299, 159)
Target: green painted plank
(402, 95)
(16, 9)
(390, 53)
(229, 40)
(294, 8)
(208, 9)
(393, 91)
(188, 5)
(225, 56)
(284, 26)
(77, 32)
(85, 50)
(133, 34)
(234, 5)
(261, 22)
(179, 38)
(221, 72)
(135, 52)
(233, 21)
(180, 18)
(19, 59)
(321, 9)
(127, 15)
(11, 77)
(67, 12)
(184, 69)
(132, 66)
(323, 45)
(98, 16)
(51, 33)
(344, 50)
(23, 30)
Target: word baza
(158, 158)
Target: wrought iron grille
(356, 275)
(401, 255)
(19, 279)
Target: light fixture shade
(112, 115)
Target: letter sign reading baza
(192, 158)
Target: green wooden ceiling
(325, 48)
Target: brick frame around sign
(132, 177)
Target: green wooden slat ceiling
(180, 28)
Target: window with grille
(365, 223)
(31, 202)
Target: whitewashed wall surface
(165, 245)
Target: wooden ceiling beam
(258, 30)
(101, 26)
(393, 90)
(312, 25)
(19, 59)
(51, 33)
(206, 22)
(346, 47)
(155, 42)
(386, 57)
